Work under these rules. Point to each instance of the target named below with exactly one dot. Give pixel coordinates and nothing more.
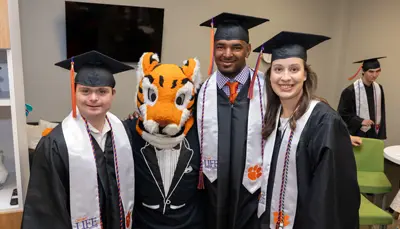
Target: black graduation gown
(182, 207)
(328, 192)
(347, 109)
(47, 203)
(231, 206)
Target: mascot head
(166, 96)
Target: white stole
(207, 120)
(362, 103)
(290, 201)
(84, 194)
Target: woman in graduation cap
(229, 126)
(362, 104)
(82, 175)
(309, 169)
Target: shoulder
(130, 123)
(327, 128)
(55, 136)
(348, 89)
(53, 145)
(130, 126)
(347, 93)
(260, 73)
(137, 140)
(323, 115)
(201, 85)
(204, 82)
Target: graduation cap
(230, 27)
(366, 64)
(285, 45)
(93, 69)
(290, 44)
(233, 26)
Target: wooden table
(11, 219)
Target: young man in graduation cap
(309, 172)
(362, 104)
(83, 172)
(230, 110)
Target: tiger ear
(191, 68)
(147, 63)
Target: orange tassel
(73, 96)
(46, 131)
(253, 79)
(358, 71)
(200, 185)
(211, 64)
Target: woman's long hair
(273, 101)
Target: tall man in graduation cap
(362, 104)
(82, 175)
(230, 110)
(309, 178)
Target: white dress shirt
(100, 137)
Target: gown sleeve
(333, 197)
(47, 202)
(348, 112)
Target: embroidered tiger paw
(254, 172)
(285, 219)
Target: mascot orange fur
(166, 148)
(165, 99)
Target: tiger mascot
(166, 147)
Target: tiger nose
(162, 123)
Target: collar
(241, 77)
(106, 128)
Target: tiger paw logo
(285, 219)
(254, 172)
(128, 220)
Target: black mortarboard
(230, 27)
(233, 26)
(290, 44)
(371, 63)
(284, 45)
(94, 69)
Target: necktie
(233, 86)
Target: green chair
(370, 214)
(370, 167)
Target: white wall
(43, 43)
(373, 30)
